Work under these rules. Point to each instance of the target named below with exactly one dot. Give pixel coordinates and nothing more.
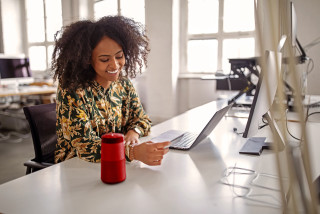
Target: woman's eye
(119, 57)
(104, 60)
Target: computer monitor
(15, 70)
(294, 39)
(293, 20)
(262, 103)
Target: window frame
(45, 43)
(119, 12)
(219, 36)
(97, 1)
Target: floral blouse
(84, 115)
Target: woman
(92, 62)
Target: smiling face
(107, 61)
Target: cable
(288, 128)
(310, 61)
(232, 171)
(316, 112)
(264, 125)
(314, 105)
(265, 203)
(264, 175)
(235, 130)
(306, 119)
(247, 190)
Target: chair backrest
(42, 120)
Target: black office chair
(42, 121)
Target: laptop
(186, 140)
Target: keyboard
(184, 141)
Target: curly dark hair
(71, 58)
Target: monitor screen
(293, 19)
(15, 70)
(263, 100)
(294, 38)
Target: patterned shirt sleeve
(76, 135)
(137, 116)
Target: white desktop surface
(27, 90)
(186, 182)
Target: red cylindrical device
(113, 161)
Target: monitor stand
(317, 186)
(255, 145)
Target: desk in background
(12, 99)
(27, 90)
(243, 77)
(186, 182)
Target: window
(43, 20)
(128, 8)
(216, 31)
(134, 9)
(200, 51)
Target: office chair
(42, 121)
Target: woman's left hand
(131, 137)
(150, 153)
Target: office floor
(13, 153)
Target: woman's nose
(113, 65)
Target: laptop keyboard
(185, 141)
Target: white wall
(194, 92)
(161, 78)
(308, 18)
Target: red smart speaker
(113, 161)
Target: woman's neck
(104, 83)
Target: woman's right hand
(151, 153)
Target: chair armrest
(36, 165)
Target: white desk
(27, 90)
(186, 182)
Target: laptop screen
(212, 124)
